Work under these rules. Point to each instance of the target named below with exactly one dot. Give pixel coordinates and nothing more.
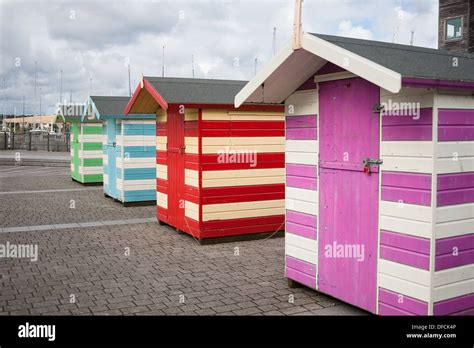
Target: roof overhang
(291, 68)
(90, 111)
(145, 100)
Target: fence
(34, 141)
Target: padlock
(367, 169)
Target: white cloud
(346, 29)
(106, 33)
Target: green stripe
(91, 146)
(92, 162)
(92, 130)
(92, 178)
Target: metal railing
(34, 141)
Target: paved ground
(94, 258)
(36, 158)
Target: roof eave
(145, 85)
(326, 52)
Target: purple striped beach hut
(379, 171)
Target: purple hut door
(348, 202)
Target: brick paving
(132, 268)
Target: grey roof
(410, 61)
(110, 105)
(196, 91)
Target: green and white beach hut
(86, 144)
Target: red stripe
(162, 185)
(244, 198)
(242, 125)
(223, 228)
(162, 214)
(191, 190)
(263, 160)
(191, 165)
(242, 190)
(161, 157)
(191, 129)
(243, 132)
(244, 107)
(191, 157)
(240, 166)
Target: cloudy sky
(93, 41)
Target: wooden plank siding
(86, 152)
(302, 156)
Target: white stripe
(404, 287)
(162, 200)
(162, 171)
(301, 206)
(301, 248)
(130, 185)
(406, 211)
(90, 153)
(448, 291)
(454, 212)
(454, 228)
(455, 149)
(453, 275)
(407, 148)
(191, 210)
(90, 170)
(461, 165)
(90, 138)
(407, 164)
(408, 273)
(301, 194)
(302, 103)
(411, 227)
(301, 158)
(302, 146)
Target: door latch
(368, 162)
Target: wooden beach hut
(128, 150)
(220, 169)
(85, 144)
(379, 171)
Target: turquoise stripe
(138, 151)
(139, 129)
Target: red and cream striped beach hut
(220, 169)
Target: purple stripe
(403, 179)
(302, 170)
(421, 82)
(462, 258)
(407, 133)
(455, 133)
(446, 245)
(455, 181)
(453, 197)
(301, 278)
(404, 241)
(454, 305)
(301, 218)
(408, 303)
(405, 257)
(302, 134)
(426, 119)
(300, 265)
(385, 309)
(406, 195)
(467, 312)
(302, 182)
(301, 230)
(455, 117)
(303, 121)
